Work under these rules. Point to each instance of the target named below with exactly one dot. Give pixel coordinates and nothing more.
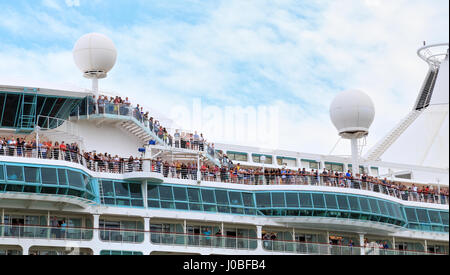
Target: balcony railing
(224, 175)
(197, 240)
(45, 232)
(133, 236)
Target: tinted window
(318, 200)
(32, 174)
(121, 189)
(180, 194)
(292, 200)
(305, 200)
(222, 197)
(235, 198)
(194, 195)
(49, 176)
(263, 200)
(331, 201)
(374, 205)
(342, 201)
(434, 216)
(165, 193)
(14, 173)
(135, 190)
(444, 217)
(354, 204)
(422, 215)
(108, 190)
(364, 204)
(75, 179)
(62, 177)
(411, 214)
(152, 192)
(278, 200)
(208, 196)
(383, 208)
(248, 199)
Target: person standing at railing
(177, 138)
(196, 140)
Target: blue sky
(292, 54)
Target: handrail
(223, 174)
(207, 237)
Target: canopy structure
(422, 138)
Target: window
(291, 162)
(2, 175)
(152, 192)
(365, 205)
(318, 200)
(136, 190)
(305, 200)
(208, 196)
(107, 187)
(248, 199)
(180, 194)
(193, 195)
(331, 201)
(263, 200)
(49, 176)
(257, 159)
(374, 206)
(342, 201)
(165, 193)
(354, 204)
(292, 200)
(32, 175)
(222, 197)
(383, 208)
(237, 156)
(235, 198)
(278, 200)
(334, 166)
(14, 173)
(422, 215)
(121, 189)
(434, 216)
(411, 214)
(75, 179)
(62, 177)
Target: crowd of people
(231, 173)
(260, 176)
(117, 105)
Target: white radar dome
(95, 55)
(352, 112)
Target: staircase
(375, 153)
(27, 115)
(424, 97)
(136, 128)
(101, 194)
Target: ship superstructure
(84, 173)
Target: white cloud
(241, 51)
(73, 3)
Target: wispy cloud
(296, 55)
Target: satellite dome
(352, 112)
(95, 55)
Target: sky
(249, 72)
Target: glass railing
(121, 235)
(45, 232)
(330, 249)
(203, 241)
(216, 174)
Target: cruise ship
(83, 172)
